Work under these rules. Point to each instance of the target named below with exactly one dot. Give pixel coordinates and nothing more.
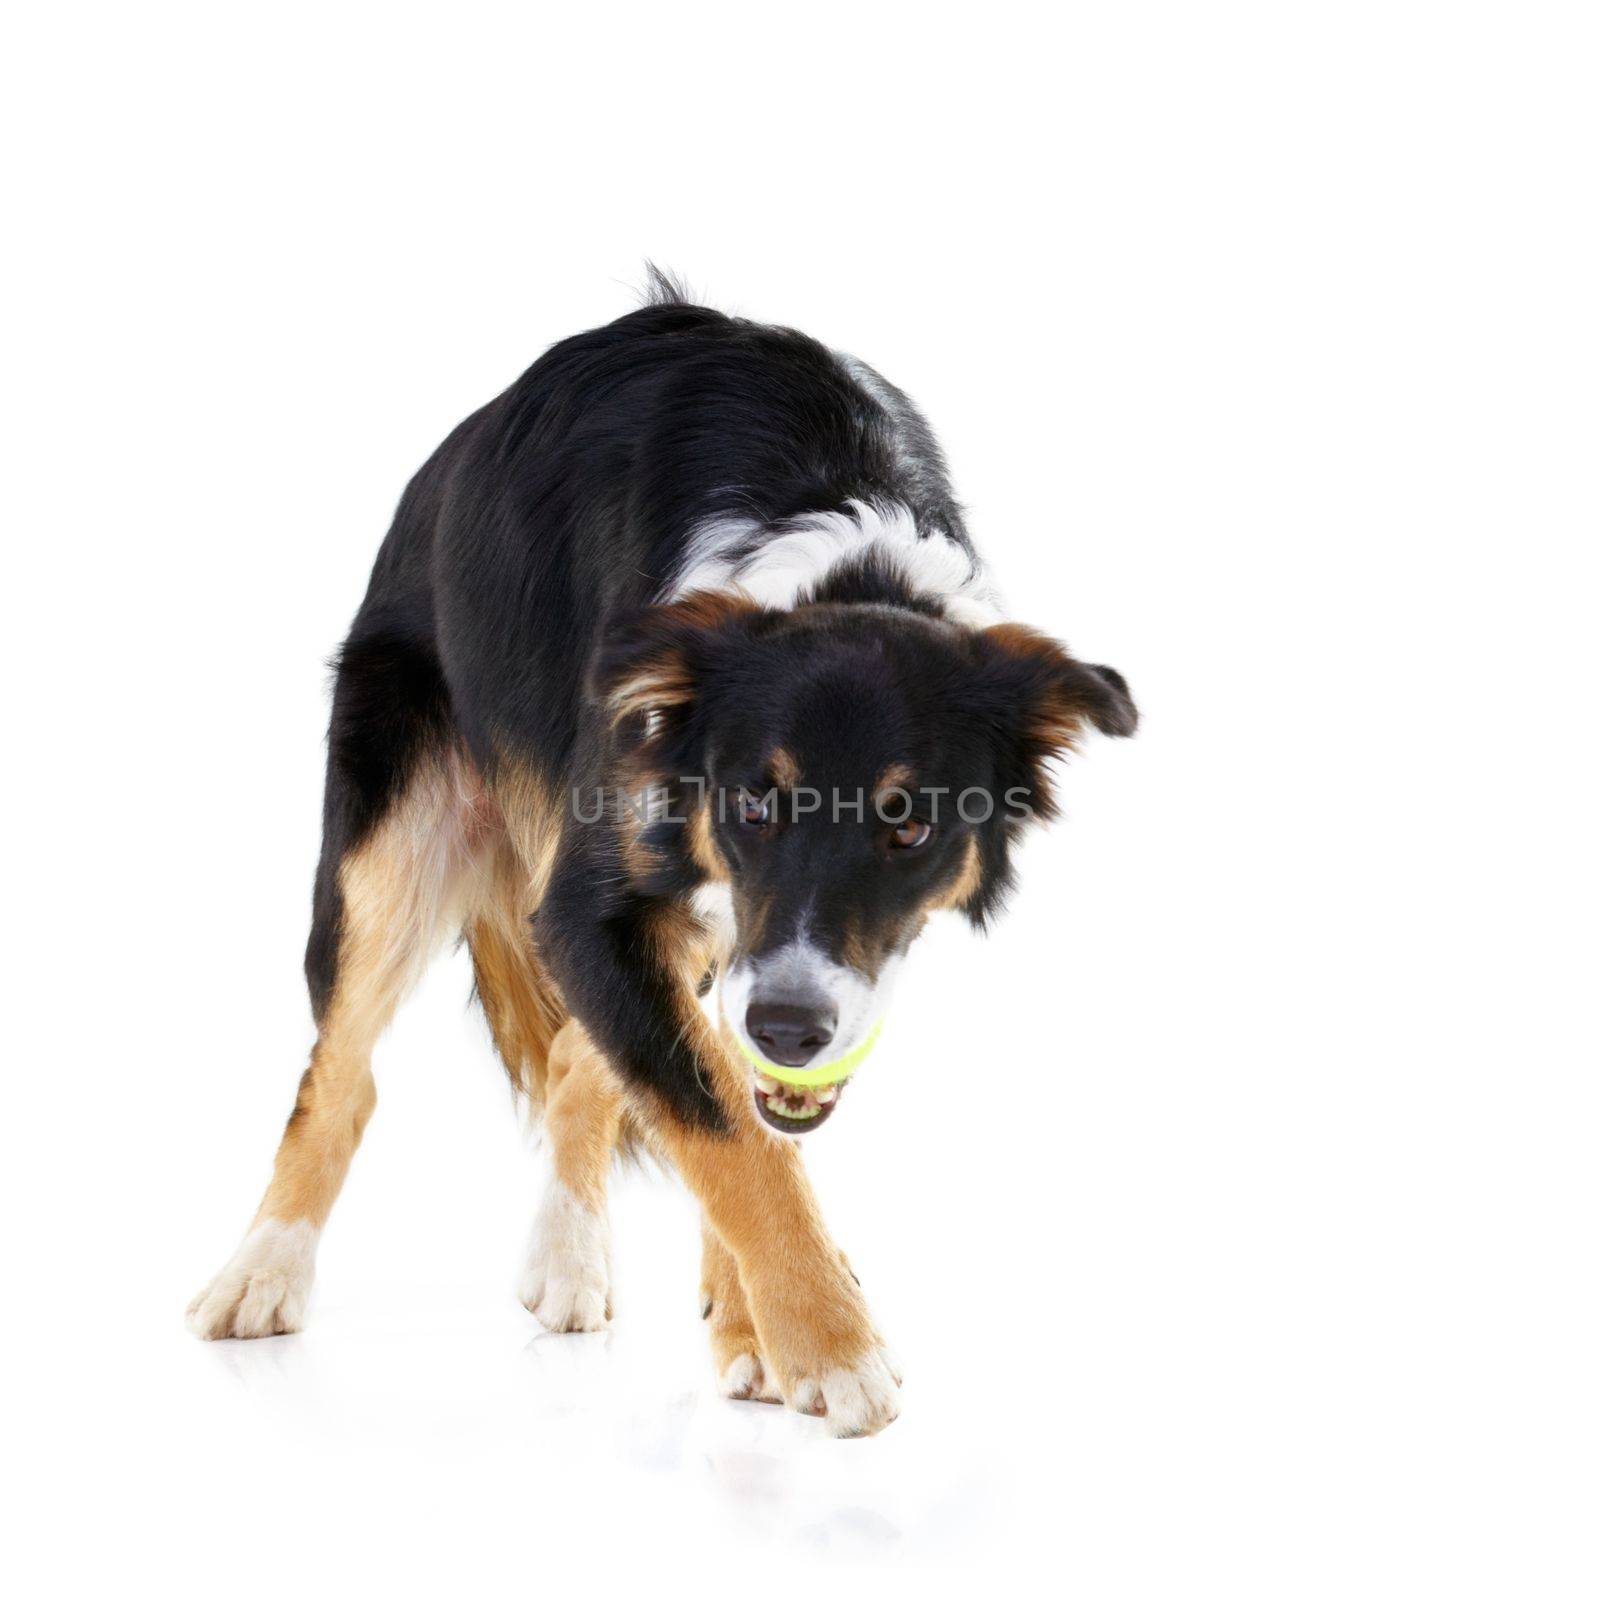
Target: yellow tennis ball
(812, 1077)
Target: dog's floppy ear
(653, 661)
(1041, 699)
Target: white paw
(566, 1285)
(744, 1378)
(263, 1289)
(856, 1400)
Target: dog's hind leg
(566, 1283)
(521, 1003)
(395, 897)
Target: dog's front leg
(629, 976)
(813, 1339)
(740, 1372)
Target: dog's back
(587, 487)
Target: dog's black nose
(790, 1035)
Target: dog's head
(837, 773)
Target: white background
(1231, 1206)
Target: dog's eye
(753, 811)
(910, 835)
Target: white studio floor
(425, 1429)
(1272, 1387)
(462, 1429)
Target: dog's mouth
(794, 1108)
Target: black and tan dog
(676, 669)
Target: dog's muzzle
(800, 1099)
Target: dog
(678, 691)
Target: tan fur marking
(684, 947)
(656, 686)
(403, 890)
(534, 819)
(702, 846)
(856, 952)
(897, 776)
(752, 917)
(665, 680)
(1059, 717)
(708, 609)
(784, 769)
(582, 1114)
(808, 1313)
(519, 999)
(859, 955)
(966, 886)
(521, 1002)
(337, 1096)
(725, 1309)
(1020, 640)
(640, 859)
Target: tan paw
(741, 1371)
(744, 1378)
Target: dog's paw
(741, 1370)
(855, 1400)
(263, 1290)
(743, 1377)
(566, 1284)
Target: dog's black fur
(518, 587)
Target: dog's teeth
(792, 1102)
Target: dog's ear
(653, 662)
(1041, 699)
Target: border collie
(679, 691)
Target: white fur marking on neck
(775, 573)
